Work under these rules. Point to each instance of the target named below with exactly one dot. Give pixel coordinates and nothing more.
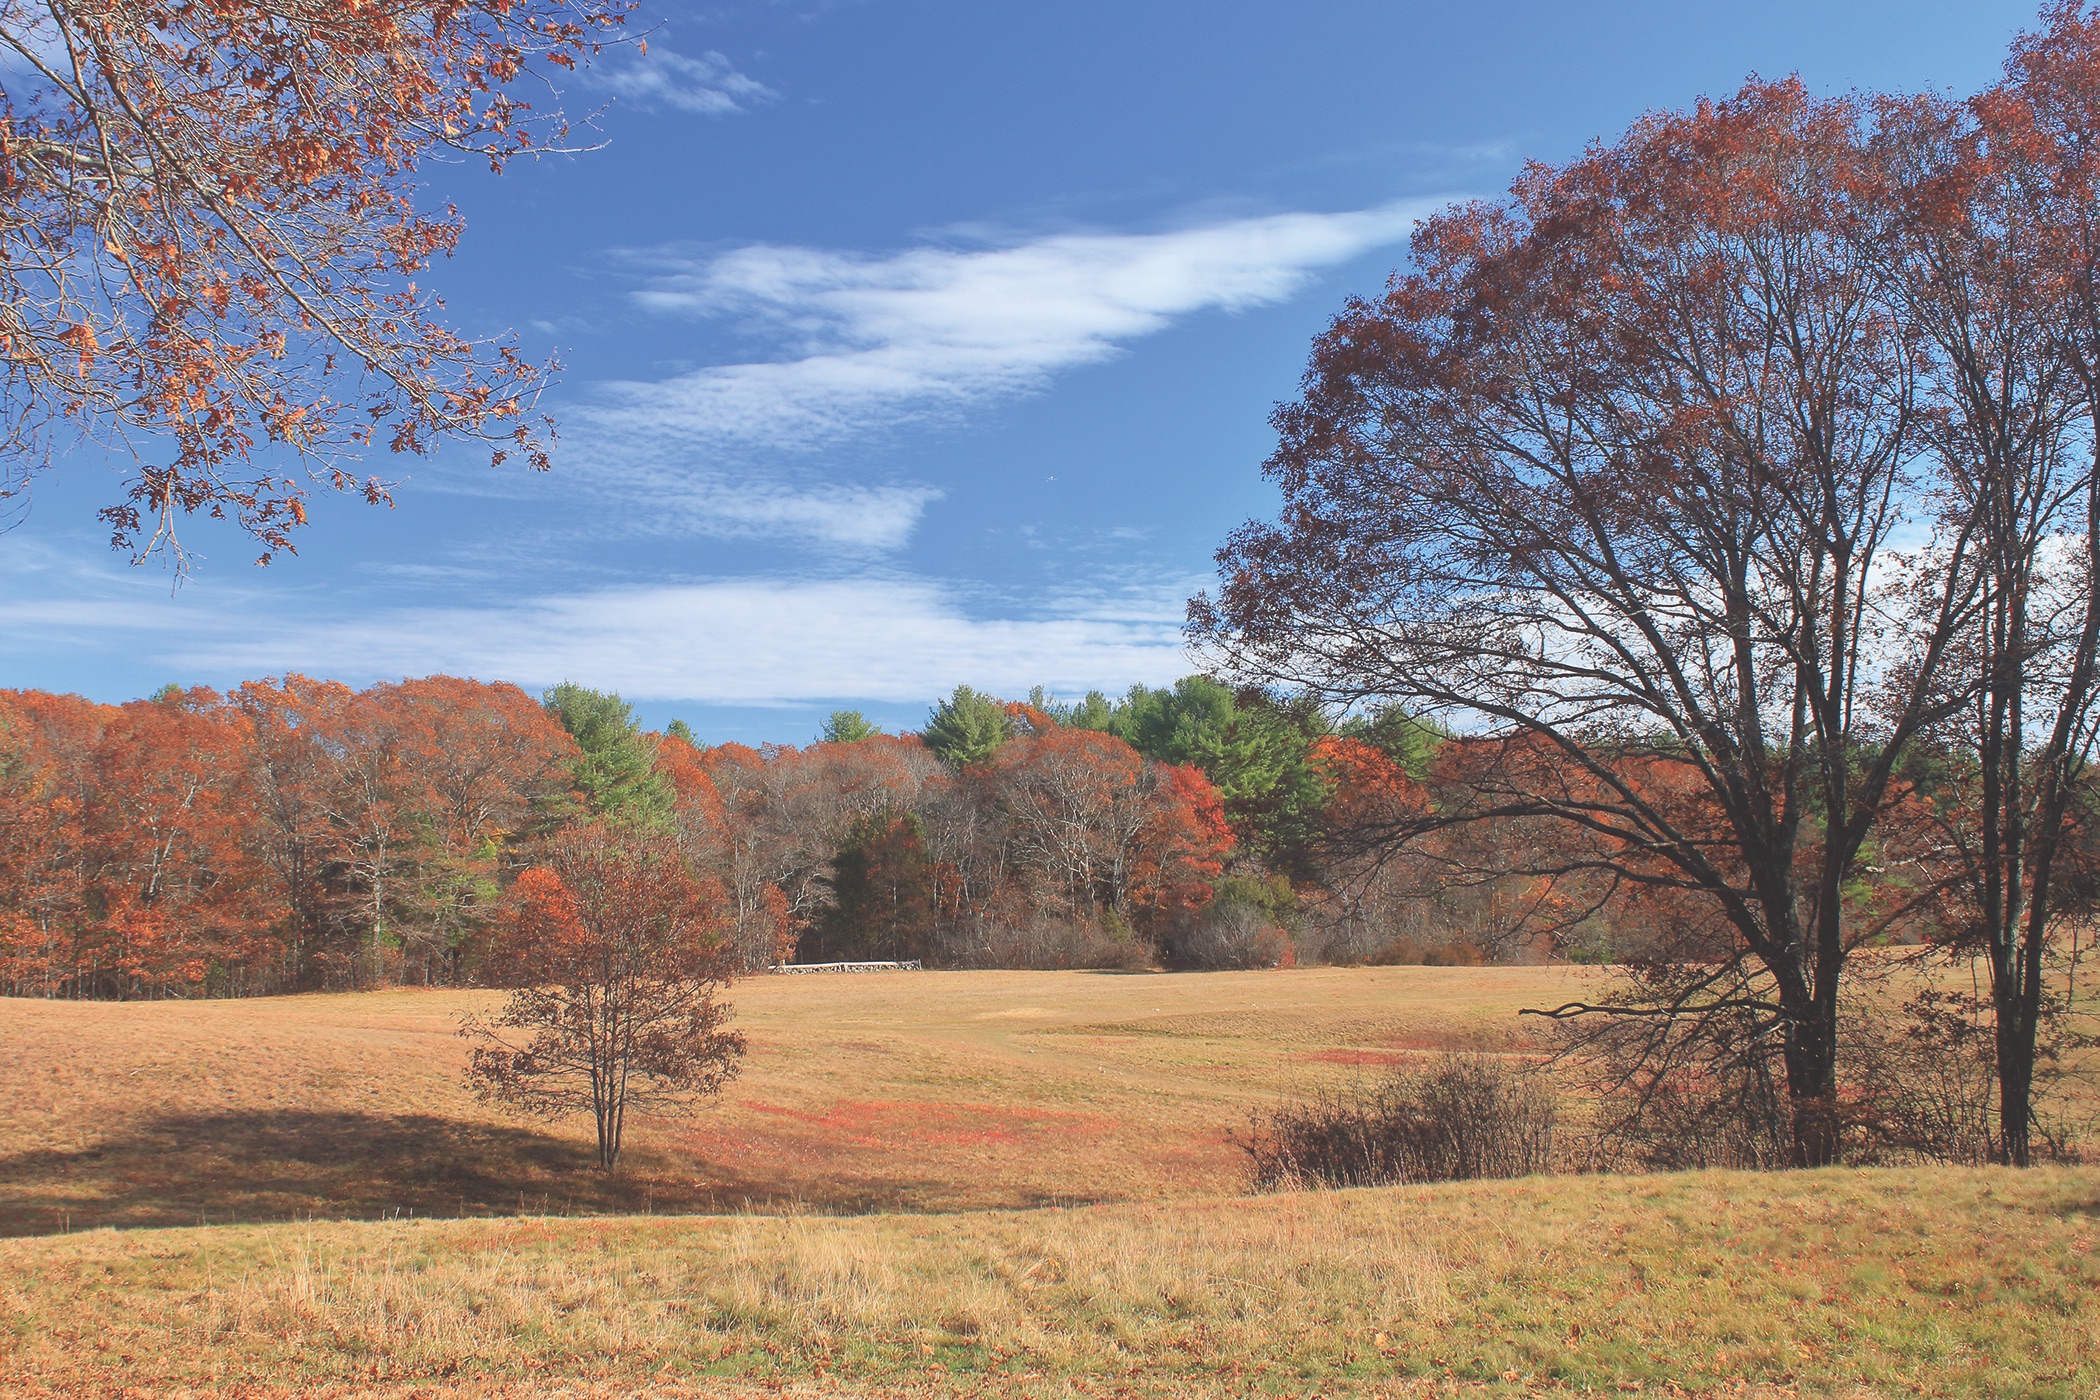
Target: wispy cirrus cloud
(872, 519)
(869, 343)
(734, 641)
(709, 85)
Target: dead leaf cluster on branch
(210, 237)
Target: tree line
(296, 834)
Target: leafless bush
(1468, 1116)
(1924, 1084)
(1925, 1088)
(1236, 930)
(1679, 1093)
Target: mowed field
(933, 1091)
(950, 1184)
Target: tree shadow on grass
(254, 1167)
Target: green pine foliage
(968, 728)
(846, 727)
(882, 884)
(1407, 741)
(616, 771)
(1255, 749)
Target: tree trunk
(1811, 1081)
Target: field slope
(948, 1184)
(1931, 1283)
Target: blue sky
(910, 343)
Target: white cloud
(874, 342)
(692, 495)
(743, 641)
(709, 85)
(868, 518)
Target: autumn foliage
(615, 948)
(291, 834)
(1715, 484)
(1065, 847)
(210, 235)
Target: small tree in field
(616, 950)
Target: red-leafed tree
(721, 845)
(181, 891)
(1105, 832)
(210, 235)
(48, 942)
(617, 951)
(1181, 846)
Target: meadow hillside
(911, 1091)
(948, 1183)
(1938, 1282)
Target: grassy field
(1936, 1283)
(928, 1091)
(948, 1184)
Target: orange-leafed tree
(720, 846)
(48, 943)
(210, 235)
(1182, 845)
(1102, 831)
(291, 777)
(478, 767)
(616, 951)
(179, 888)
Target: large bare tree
(1612, 482)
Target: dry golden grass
(973, 1094)
(1919, 1283)
(929, 1091)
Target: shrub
(1246, 924)
(1467, 1116)
(1923, 1084)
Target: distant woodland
(298, 834)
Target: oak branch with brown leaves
(210, 235)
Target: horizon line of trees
(296, 834)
